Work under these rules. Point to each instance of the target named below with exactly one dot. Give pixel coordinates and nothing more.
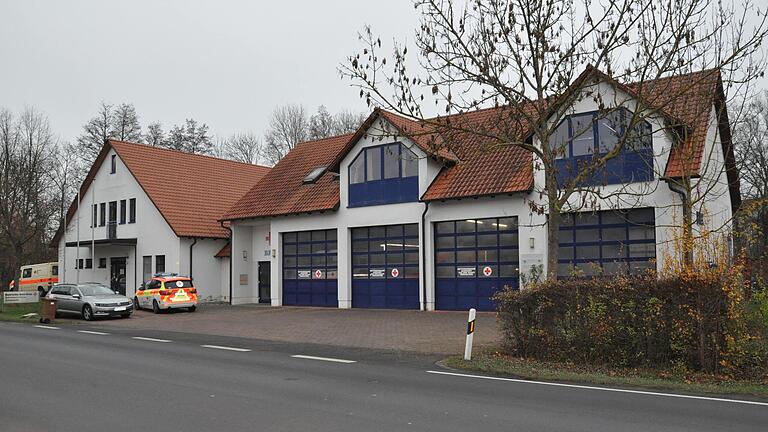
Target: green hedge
(698, 322)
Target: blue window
(385, 174)
(474, 259)
(607, 242)
(309, 268)
(581, 138)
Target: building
(145, 210)
(373, 220)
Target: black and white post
(470, 334)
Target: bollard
(470, 334)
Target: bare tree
(95, 131)
(527, 58)
(288, 126)
(26, 148)
(125, 123)
(241, 147)
(347, 121)
(321, 124)
(191, 137)
(155, 135)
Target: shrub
(695, 320)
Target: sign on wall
(16, 297)
(305, 274)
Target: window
(112, 212)
(384, 174)
(26, 273)
(146, 267)
(386, 252)
(61, 290)
(607, 242)
(93, 216)
(132, 210)
(579, 138)
(102, 263)
(79, 264)
(55, 270)
(122, 212)
(159, 263)
(114, 164)
(102, 213)
(314, 175)
(88, 263)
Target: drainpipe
(424, 257)
(230, 259)
(687, 216)
(190, 257)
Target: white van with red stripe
(37, 277)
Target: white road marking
(225, 348)
(92, 332)
(149, 339)
(47, 327)
(335, 360)
(608, 389)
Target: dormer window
(314, 175)
(384, 174)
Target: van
(40, 277)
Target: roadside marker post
(470, 334)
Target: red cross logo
(487, 271)
(318, 274)
(395, 272)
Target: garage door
(474, 258)
(385, 267)
(309, 268)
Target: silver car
(91, 300)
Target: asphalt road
(62, 379)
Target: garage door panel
(309, 268)
(474, 259)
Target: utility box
(48, 311)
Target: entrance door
(117, 274)
(264, 278)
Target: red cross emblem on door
(318, 274)
(487, 271)
(395, 272)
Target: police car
(166, 291)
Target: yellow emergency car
(165, 292)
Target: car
(166, 291)
(90, 300)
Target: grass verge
(495, 363)
(15, 312)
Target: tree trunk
(553, 224)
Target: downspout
(687, 215)
(424, 256)
(230, 259)
(190, 257)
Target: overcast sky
(226, 63)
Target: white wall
(251, 243)
(154, 235)
(206, 268)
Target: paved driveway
(429, 332)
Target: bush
(694, 321)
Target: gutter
(230, 259)
(424, 256)
(190, 257)
(687, 215)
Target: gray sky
(226, 63)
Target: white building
(361, 221)
(145, 210)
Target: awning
(104, 242)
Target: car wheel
(87, 313)
(136, 305)
(192, 308)
(155, 307)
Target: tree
(95, 132)
(125, 123)
(321, 124)
(523, 57)
(288, 126)
(27, 146)
(155, 135)
(347, 121)
(241, 147)
(190, 137)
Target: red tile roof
(225, 252)
(190, 191)
(283, 191)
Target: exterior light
(245, 255)
(532, 242)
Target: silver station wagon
(90, 300)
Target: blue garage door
(607, 242)
(309, 268)
(385, 267)
(473, 260)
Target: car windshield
(183, 283)
(94, 290)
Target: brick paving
(428, 332)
